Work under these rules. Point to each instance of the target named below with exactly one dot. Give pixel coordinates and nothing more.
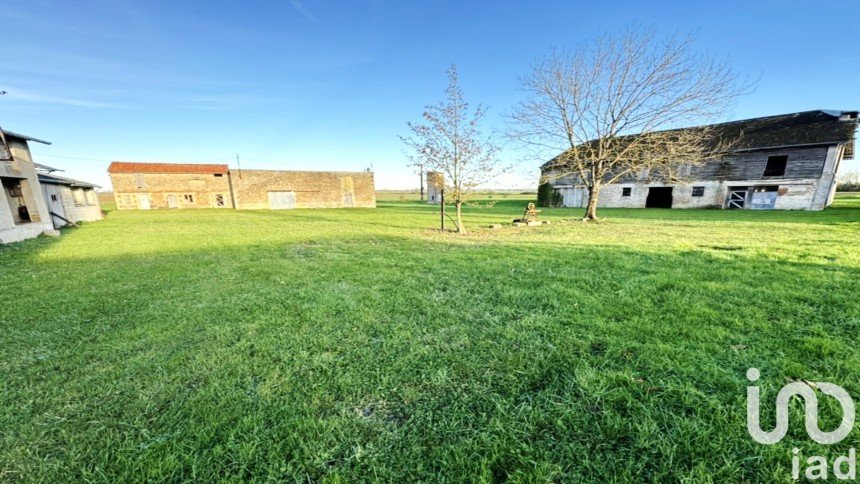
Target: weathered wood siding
(802, 163)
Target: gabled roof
(10, 134)
(795, 129)
(129, 167)
(60, 180)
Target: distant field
(414, 195)
(348, 345)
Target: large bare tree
(449, 141)
(582, 107)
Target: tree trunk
(593, 195)
(460, 227)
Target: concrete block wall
(313, 189)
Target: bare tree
(582, 107)
(449, 141)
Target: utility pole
(238, 166)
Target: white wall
(799, 194)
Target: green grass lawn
(349, 345)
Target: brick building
(167, 185)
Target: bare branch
(582, 107)
(450, 141)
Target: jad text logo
(815, 467)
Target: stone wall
(795, 194)
(313, 189)
(187, 190)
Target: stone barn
(787, 162)
(435, 184)
(255, 189)
(143, 186)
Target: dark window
(219, 175)
(53, 198)
(775, 165)
(625, 192)
(189, 198)
(698, 191)
(219, 200)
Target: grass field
(348, 345)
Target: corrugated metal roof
(59, 180)
(46, 168)
(131, 167)
(10, 134)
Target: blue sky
(329, 85)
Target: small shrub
(548, 196)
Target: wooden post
(442, 205)
(421, 180)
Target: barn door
(573, 197)
(171, 202)
(348, 191)
(143, 202)
(282, 200)
(55, 204)
(737, 199)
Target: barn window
(78, 197)
(219, 200)
(776, 165)
(219, 175)
(698, 191)
(91, 197)
(625, 192)
(189, 198)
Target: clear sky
(329, 85)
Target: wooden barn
(786, 162)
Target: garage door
(282, 200)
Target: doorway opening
(659, 197)
(14, 195)
(737, 198)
